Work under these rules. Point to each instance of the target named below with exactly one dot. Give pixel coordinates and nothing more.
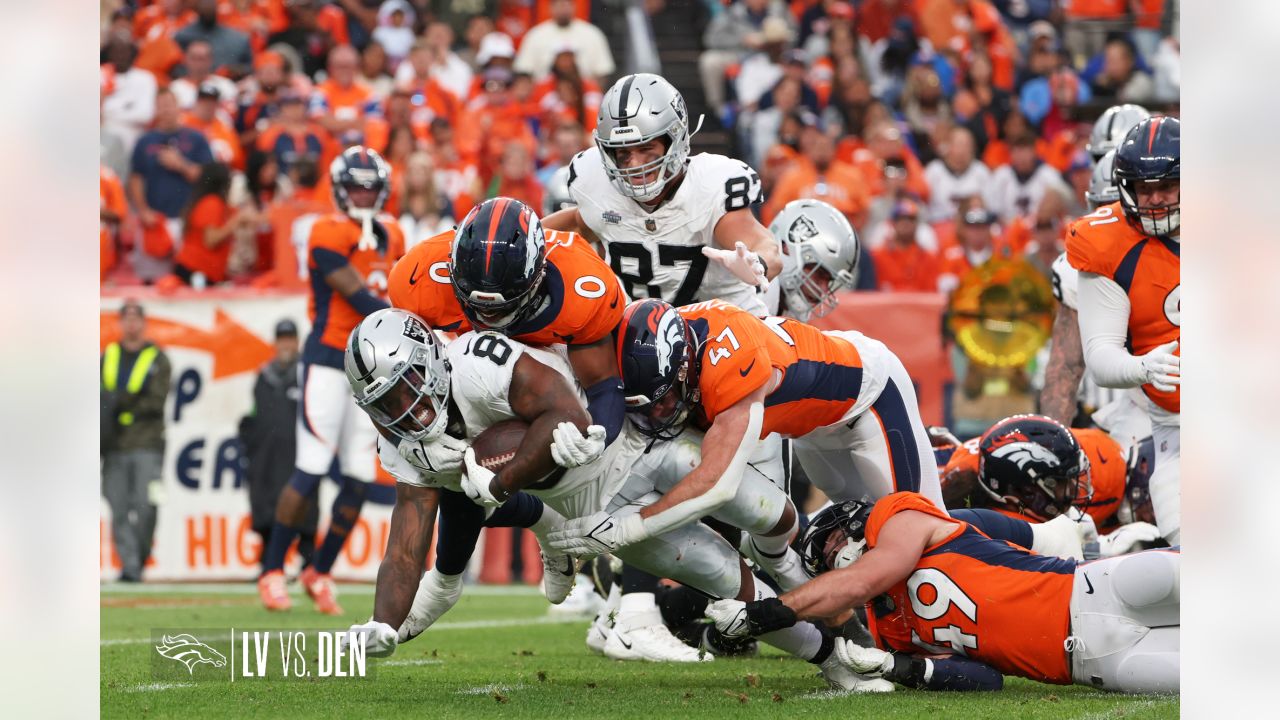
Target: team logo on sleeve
(611, 217)
(189, 651)
(1022, 453)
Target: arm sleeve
(1104, 324)
(954, 673)
(607, 406)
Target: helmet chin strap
(701, 117)
(368, 241)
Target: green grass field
(498, 654)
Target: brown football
(496, 446)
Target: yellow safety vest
(111, 373)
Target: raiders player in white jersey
(481, 379)
(673, 226)
(1121, 413)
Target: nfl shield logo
(650, 225)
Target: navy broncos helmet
(497, 263)
(1137, 487)
(656, 349)
(1034, 464)
(836, 536)
(357, 169)
(1151, 155)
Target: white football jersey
(659, 253)
(480, 381)
(1118, 411)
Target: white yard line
(460, 625)
(157, 687)
(411, 661)
(489, 689)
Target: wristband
(768, 615)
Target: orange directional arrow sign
(235, 348)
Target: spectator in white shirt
(544, 40)
(432, 58)
(128, 110)
(395, 29)
(955, 176)
(1017, 188)
(198, 64)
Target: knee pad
(1150, 667)
(1148, 580)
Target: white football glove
(1127, 538)
(872, 662)
(597, 534)
(476, 480)
(570, 448)
(730, 617)
(743, 263)
(438, 457)
(379, 638)
(1161, 368)
(437, 594)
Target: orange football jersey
(1107, 473)
(332, 317)
(981, 598)
(586, 299)
(821, 374)
(1147, 268)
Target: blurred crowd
(946, 130)
(219, 119)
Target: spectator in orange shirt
(112, 212)
(250, 17)
(223, 141)
(162, 18)
(817, 174)
(290, 219)
(515, 177)
(494, 121)
(312, 30)
(566, 96)
(888, 165)
(458, 177)
(340, 102)
(401, 111)
(210, 227)
(902, 263)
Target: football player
(1122, 413)
(1033, 468)
(950, 608)
(661, 214)
(349, 254)
(1111, 126)
(481, 379)
(672, 226)
(820, 253)
(845, 399)
(1130, 290)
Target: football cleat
(787, 571)
(714, 642)
(558, 573)
(599, 632)
(840, 677)
(322, 591)
(581, 602)
(639, 634)
(271, 591)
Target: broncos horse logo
(189, 651)
(1024, 452)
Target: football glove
(598, 534)
(476, 480)
(730, 617)
(868, 661)
(1127, 538)
(441, 456)
(743, 263)
(379, 638)
(1161, 368)
(570, 448)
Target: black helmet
(1034, 464)
(1150, 153)
(1137, 485)
(821, 545)
(498, 260)
(656, 351)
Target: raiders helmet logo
(415, 330)
(801, 230)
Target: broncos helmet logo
(669, 341)
(1024, 452)
(189, 651)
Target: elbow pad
(365, 303)
(607, 406)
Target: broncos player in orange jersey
(1130, 293)
(349, 255)
(951, 608)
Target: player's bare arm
(594, 362)
(733, 434)
(570, 219)
(412, 520)
(541, 397)
(1065, 369)
(901, 543)
(740, 226)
